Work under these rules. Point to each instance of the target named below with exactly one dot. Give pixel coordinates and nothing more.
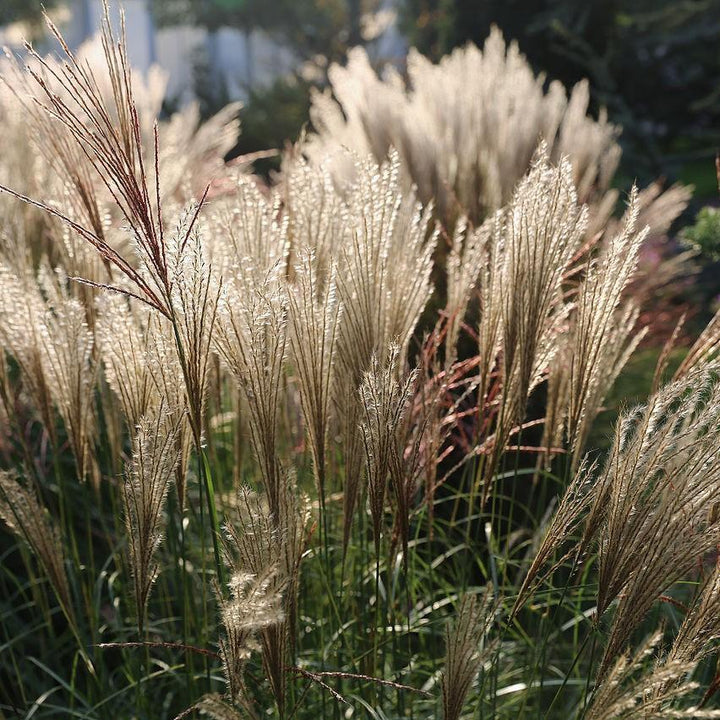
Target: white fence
(238, 60)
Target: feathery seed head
(464, 651)
(155, 456)
(22, 512)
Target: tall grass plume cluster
(324, 447)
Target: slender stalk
(586, 693)
(569, 672)
(212, 511)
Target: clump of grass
(364, 427)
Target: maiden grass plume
(324, 447)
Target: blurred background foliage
(27, 11)
(309, 27)
(654, 64)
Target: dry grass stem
(630, 690)
(602, 335)
(23, 514)
(251, 338)
(464, 651)
(652, 509)
(385, 401)
(155, 458)
(315, 313)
